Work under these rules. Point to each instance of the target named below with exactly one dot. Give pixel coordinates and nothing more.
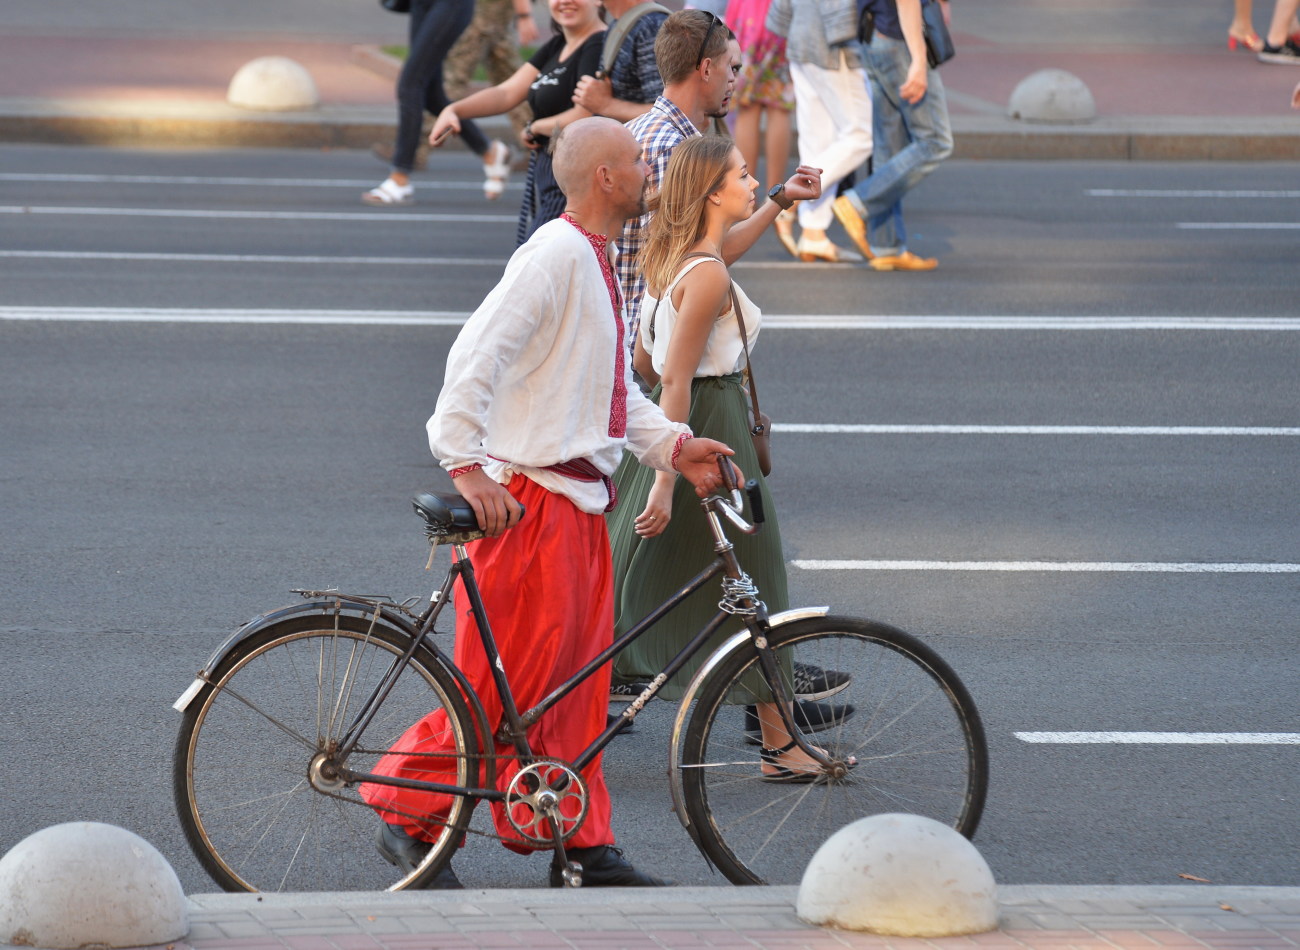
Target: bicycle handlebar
(734, 505)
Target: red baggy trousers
(547, 586)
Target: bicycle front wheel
(915, 734)
(254, 769)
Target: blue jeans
(435, 26)
(910, 142)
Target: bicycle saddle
(445, 512)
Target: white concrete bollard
(1052, 95)
(900, 875)
(84, 884)
(273, 84)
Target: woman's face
(575, 15)
(736, 196)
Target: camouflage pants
(490, 39)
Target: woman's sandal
(784, 227)
(389, 192)
(1250, 42)
(783, 774)
(496, 169)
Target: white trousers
(833, 109)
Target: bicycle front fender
(333, 606)
(679, 723)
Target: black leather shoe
(405, 851)
(605, 866)
(809, 717)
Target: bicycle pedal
(572, 874)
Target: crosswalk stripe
(1161, 738)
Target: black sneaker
(812, 682)
(626, 692)
(405, 851)
(611, 719)
(809, 717)
(1287, 53)
(605, 866)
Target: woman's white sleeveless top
(723, 353)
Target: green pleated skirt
(647, 571)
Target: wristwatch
(783, 201)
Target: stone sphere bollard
(87, 884)
(1052, 95)
(273, 84)
(900, 875)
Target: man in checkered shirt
(698, 60)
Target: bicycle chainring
(547, 786)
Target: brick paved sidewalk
(1240, 918)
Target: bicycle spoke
(266, 808)
(912, 743)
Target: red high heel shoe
(1250, 44)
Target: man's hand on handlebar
(699, 464)
(495, 508)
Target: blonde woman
(690, 341)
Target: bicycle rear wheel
(253, 768)
(916, 735)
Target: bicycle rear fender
(679, 723)
(331, 606)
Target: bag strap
(749, 367)
(614, 38)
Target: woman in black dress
(546, 82)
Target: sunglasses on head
(713, 21)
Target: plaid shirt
(659, 131)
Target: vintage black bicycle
(286, 721)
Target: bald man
(536, 408)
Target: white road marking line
(1086, 567)
(849, 429)
(359, 183)
(783, 321)
(387, 317)
(358, 315)
(1162, 738)
(1189, 193)
(400, 217)
(437, 318)
(1238, 225)
(474, 185)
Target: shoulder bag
(938, 41)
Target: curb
(981, 137)
(691, 917)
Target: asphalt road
(167, 476)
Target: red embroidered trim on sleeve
(463, 470)
(677, 449)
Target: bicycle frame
(740, 599)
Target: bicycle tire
(916, 734)
(242, 769)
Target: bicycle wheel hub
(542, 789)
(324, 775)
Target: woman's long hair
(697, 168)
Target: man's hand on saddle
(698, 463)
(495, 508)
